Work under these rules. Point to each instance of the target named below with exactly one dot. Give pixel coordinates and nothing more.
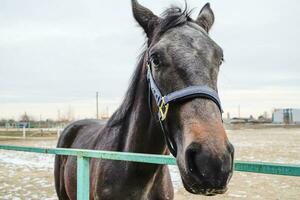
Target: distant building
(286, 116)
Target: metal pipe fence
(84, 155)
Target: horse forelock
(171, 18)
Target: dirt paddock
(30, 176)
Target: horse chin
(199, 190)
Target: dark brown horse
(180, 54)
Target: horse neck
(138, 129)
(143, 133)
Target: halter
(163, 103)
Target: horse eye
(154, 60)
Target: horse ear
(144, 17)
(206, 17)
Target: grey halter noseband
(163, 102)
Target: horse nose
(209, 169)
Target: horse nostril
(197, 162)
(191, 156)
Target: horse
(182, 62)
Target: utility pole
(58, 115)
(97, 106)
(40, 121)
(239, 111)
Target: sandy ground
(30, 176)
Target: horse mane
(171, 17)
(124, 109)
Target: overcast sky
(55, 54)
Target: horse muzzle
(207, 173)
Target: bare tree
(69, 115)
(25, 118)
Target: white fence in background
(24, 131)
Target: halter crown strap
(154, 89)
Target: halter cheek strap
(163, 103)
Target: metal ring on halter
(163, 109)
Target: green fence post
(83, 178)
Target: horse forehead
(182, 34)
(187, 38)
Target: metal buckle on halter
(163, 109)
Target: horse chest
(130, 186)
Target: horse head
(180, 54)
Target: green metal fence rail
(83, 157)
